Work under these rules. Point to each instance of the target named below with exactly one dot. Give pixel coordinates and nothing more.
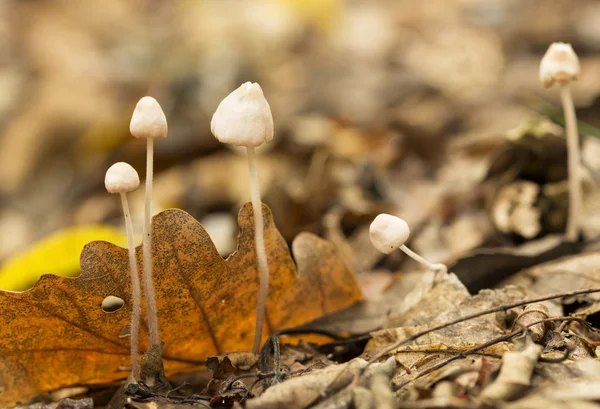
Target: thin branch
(472, 316)
(489, 343)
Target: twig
(447, 351)
(463, 355)
(489, 343)
(141, 392)
(556, 360)
(472, 316)
(183, 385)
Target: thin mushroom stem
(147, 248)
(261, 255)
(572, 232)
(135, 289)
(435, 267)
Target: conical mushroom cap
(121, 178)
(148, 120)
(388, 232)
(559, 64)
(243, 118)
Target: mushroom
(244, 118)
(149, 122)
(387, 233)
(122, 178)
(561, 65)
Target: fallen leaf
(515, 373)
(224, 367)
(302, 391)
(514, 209)
(531, 314)
(86, 403)
(486, 267)
(206, 304)
(432, 303)
(372, 314)
(310, 386)
(57, 254)
(567, 273)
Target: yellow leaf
(55, 254)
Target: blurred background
(421, 109)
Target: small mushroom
(244, 118)
(122, 178)
(149, 122)
(388, 233)
(561, 65)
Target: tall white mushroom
(149, 122)
(388, 233)
(244, 118)
(561, 65)
(122, 178)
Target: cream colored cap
(388, 232)
(148, 120)
(121, 178)
(243, 118)
(559, 64)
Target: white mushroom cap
(559, 64)
(121, 178)
(148, 120)
(388, 232)
(244, 117)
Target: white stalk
(572, 232)
(435, 267)
(261, 255)
(136, 308)
(147, 248)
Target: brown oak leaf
(57, 334)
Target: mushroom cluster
(148, 122)
(243, 118)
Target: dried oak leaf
(57, 334)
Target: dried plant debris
(514, 211)
(467, 147)
(515, 374)
(66, 403)
(488, 267)
(568, 273)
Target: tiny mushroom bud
(244, 118)
(560, 65)
(122, 178)
(388, 233)
(148, 122)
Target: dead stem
(489, 343)
(472, 316)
